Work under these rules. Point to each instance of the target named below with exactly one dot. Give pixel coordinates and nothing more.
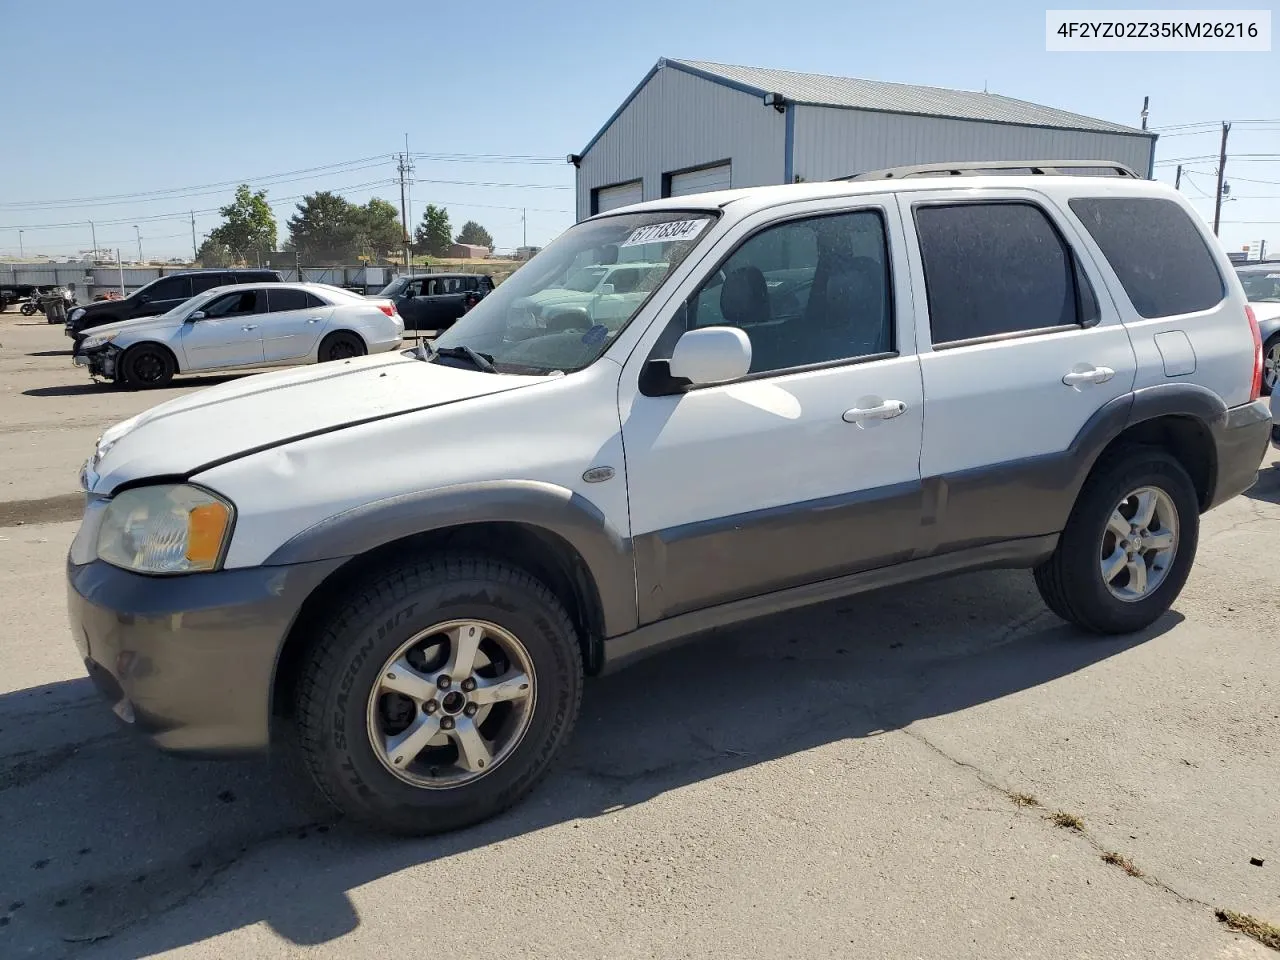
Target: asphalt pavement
(942, 770)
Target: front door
(229, 334)
(411, 304)
(808, 468)
(293, 324)
(1021, 348)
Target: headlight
(102, 339)
(76, 314)
(165, 529)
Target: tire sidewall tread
(1070, 581)
(380, 615)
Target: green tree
(380, 232)
(248, 228)
(214, 254)
(472, 232)
(433, 234)
(325, 228)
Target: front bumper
(1240, 437)
(189, 661)
(101, 361)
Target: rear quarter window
(1156, 251)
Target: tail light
(1256, 390)
(388, 308)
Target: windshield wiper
(481, 361)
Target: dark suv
(434, 301)
(159, 296)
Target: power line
(488, 183)
(486, 158)
(176, 192)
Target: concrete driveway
(874, 778)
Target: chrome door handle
(313, 319)
(252, 326)
(885, 411)
(1092, 375)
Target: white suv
(399, 568)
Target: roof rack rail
(978, 168)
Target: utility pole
(120, 267)
(1222, 173)
(21, 255)
(405, 167)
(195, 253)
(93, 232)
(1145, 102)
(1177, 179)
(524, 226)
(138, 233)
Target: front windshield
(545, 318)
(1261, 285)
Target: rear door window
(1158, 254)
(280, 301)
(170, 288)
(993, 269)
(201, 282)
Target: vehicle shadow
(121, 844)
(50, 353)
(1267, 488)
(80, 389)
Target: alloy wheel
(452, 703)
(1139, 544)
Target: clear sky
(147, 96)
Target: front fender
(546, 506)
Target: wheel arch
(1180, 418)
(554, 534)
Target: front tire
(1128, 545)
(438, 694)
(146, 367)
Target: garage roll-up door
(610, 198)
(700, 181)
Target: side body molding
(546, 506)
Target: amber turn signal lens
(206, 525)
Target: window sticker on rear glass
(665, 232)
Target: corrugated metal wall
(678, 121)
(832, 143)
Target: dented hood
(220, 423)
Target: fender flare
(549, 507)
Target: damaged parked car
(242, 326)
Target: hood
(220, 423)
(95, 307)
(139, 325)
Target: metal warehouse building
(692, 126)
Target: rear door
(1017, 351)
(293, 324)
(229, 334)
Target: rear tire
(402, 630)
(341, 346)
(1109, 576)
(1270, 364)
(146, 367)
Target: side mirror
(711, 355)
(604, 289)
(198, 315)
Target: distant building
(467, 251)
(526, 253)
(692, 126)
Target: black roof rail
(978, 168)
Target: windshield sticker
(665, 232)
(595, 335)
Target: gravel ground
(872, 778)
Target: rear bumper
(189, 661)
(1240, 437)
